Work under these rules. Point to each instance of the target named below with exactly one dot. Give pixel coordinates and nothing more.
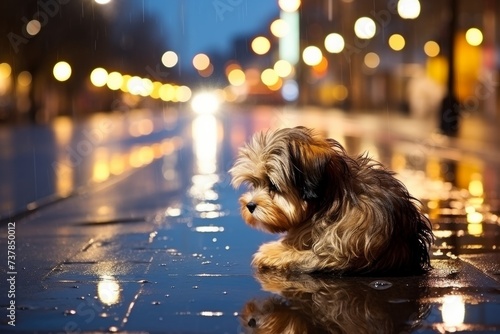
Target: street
(127, 222)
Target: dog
(304, 304)
(340, 213)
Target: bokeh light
(169, 59)
(115, 80)
(279, 28)
(201, 61)
(236, 77)
(409, 9)
(102, 2)
(33, 27)
(372, 60)
(397, 42)
(289, 5)
(5, 70)
(24, 78)
(290, 91)
(269, 77)
(312, 55)
(431, 48)
(334, 43)
(62, 71)
(261, 45)
(99, 77)
(365, 28)
(474, 36)
(283, 68)
(205, 103)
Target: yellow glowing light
(183, 93)
(409, 9)
(261, 45)
(62, 71)
(334, 43)
(269, 77)
(99, 77)
(431, 48)
(365, 28)
(279, 28)
(108, 291)
(167, 92)
(102, 2)
(201, 61)
(340, 92)
(277, 85)
(474, 36)
(453, 311)
(231, 66)
(283, 68)
(475, 229)
(5, 70)
(115, 80)
(372, 60)
(474, 217)
(169, 59)
(397, 42)
(126, 78)
(33, 27)
(155, 94)
(289, 5)
(236, 77)
(24, 78)
(476, 185)
(312, 55)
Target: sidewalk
(161, 247)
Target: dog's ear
(309, 163)
(318, 167)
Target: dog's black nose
(251, 206)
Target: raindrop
(167, 295)
(82, 297)
(163, 265)
(155, 302)
(75, 287)
(224, 292)
(206, 262)
(143, 281)
(113, 329)
(380, 285)
(195, 286)
(104, 315)
(69, 312)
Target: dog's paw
(273, 255)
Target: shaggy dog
(340, 213)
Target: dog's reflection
(305, 304)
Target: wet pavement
(128, 223)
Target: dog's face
(287, 171)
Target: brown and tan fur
(303, 304)
(339, 213)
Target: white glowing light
(334, 43)
(62, 71)
(409, 9)
(365, 28)
(205, 103)
(312, 55)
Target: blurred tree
(117, 36)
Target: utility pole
(450, 108)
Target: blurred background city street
(120, 119)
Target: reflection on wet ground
(146, 233)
